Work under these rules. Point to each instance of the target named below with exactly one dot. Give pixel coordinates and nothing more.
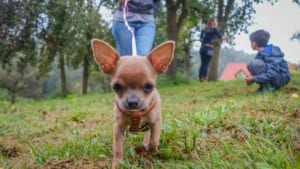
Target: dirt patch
(9, 152)
(296, 114)
(257, 114)
(291, 89)
(10, 148)
(72, 164)
(297, 145)
(53, 115)
(235, 133)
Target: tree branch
(177, 3)
(170, 3)
(183, 14)
(228, 10)
(220, 10)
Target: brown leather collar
(136, 117)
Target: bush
(180, 78)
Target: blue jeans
(205, 60)
(144, 33)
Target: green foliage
(296, 36)
(75, 147)
(20, 84)
(19, 26)
(177, 80)
(3, 95)
(40, 33)
(5, 106)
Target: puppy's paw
(152, 147)
(141, 150)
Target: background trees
(20, 83)
(53, 37)
(19, 25)
(49, 35)
(70, 27)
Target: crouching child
(269, 69)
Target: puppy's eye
(148, 87)
(117, 87)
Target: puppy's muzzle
(133, 103)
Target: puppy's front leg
(146, 139)
(118, 146)
(154, 137)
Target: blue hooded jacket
(277, 67)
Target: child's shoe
(266, 88)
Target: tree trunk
(85, 75)
(172, 34)
(63, 79)
(13, 97)
(13, 91)
(175, 23)
(187, 51)
(223, 14)
(213, 67)
(187, 59)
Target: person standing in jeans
(140, 15)
(206, 50)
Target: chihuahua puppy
(137, 104)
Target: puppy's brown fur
(133, 79)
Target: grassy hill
(206, 125)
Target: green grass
(224, 125)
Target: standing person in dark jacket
(268, 69)
(206, 50)
(140, 15)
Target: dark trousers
(258, 66)
(205, 61)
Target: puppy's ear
(161, 56)
(105, 55)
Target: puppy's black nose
(132, 103)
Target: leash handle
(129, 28)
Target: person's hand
(209, 45)
(224, 37)
(122, 1)
(249, 79)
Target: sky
(281, 20)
